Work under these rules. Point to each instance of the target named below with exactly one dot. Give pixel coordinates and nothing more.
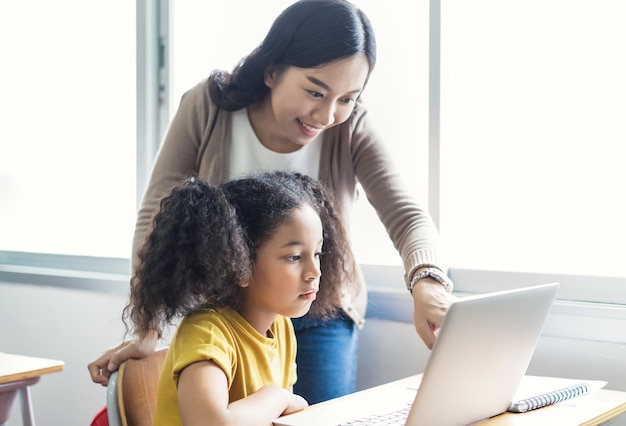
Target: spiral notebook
(551, 397)
(474, 370)
(536, 392)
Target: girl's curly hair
(204, 240)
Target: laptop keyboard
(397, 417)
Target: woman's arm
(203, 399)
(408, 224)
(176, 159)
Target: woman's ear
(270, 76)
(244, 284)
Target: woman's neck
(264, 126)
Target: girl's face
(287, 272)
(303, 102)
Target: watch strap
(433, 273)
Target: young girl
(236, 261)
(294, 103)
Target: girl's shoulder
(220, 324)
(208, 317)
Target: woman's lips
(307, 130)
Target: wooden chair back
(137, 385)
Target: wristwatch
(435, 274)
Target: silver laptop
(476, 365)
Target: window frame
(153, 100)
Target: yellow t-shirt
(249, 360)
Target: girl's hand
(296, 403)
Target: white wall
(70, 325)
(75, 326)
(389, 351)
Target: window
(533, 100)
(67, 151)
(524, 174)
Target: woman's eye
(347, 100)
(316, 95)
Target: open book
(536, 392)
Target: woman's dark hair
(204, 241)
(307, 34)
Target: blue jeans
(326, 358)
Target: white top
(248, 155)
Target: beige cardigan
(198, 140)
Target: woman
(294, 104)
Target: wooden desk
(590, 410)
(17, 373)
(595, 409)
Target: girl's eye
(293, 258)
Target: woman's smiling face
(303, 102)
